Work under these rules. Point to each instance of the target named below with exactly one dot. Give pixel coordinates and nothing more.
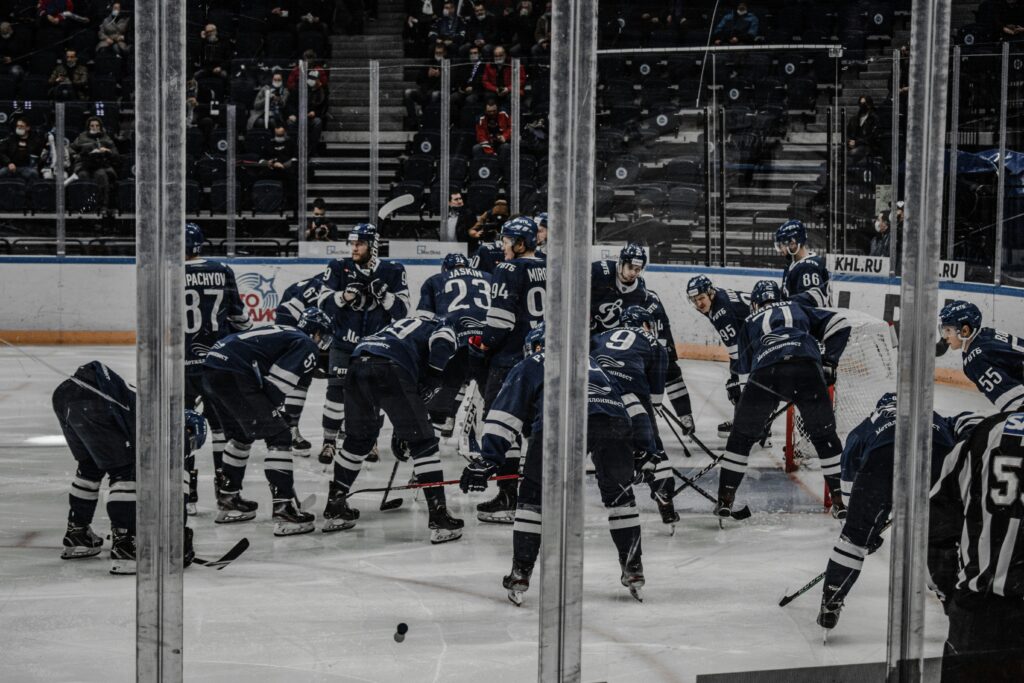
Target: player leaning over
(779, 360)
(518, 293)
(518, 411)
(993, 360)
(297, 298)
(806, 277)
(213, 310)
(362, 295)
(727, 310)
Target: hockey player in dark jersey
(675, 386)
(213, 310)
(362, 295)
(993, 360)
(635, 362)
(727, 310)
(96, 412)
(247, 376)
(395, 370)
(518, 411)
(615, 286)
(779, 360)
(806, 278)
(518, 295)
(867, 466)
(488, 256)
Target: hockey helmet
(453, 261)
(765, 292)
(195, 430)
(193, 239)
(363, 232)
(959, 313)
(635, 254)
(699, 284)
(313, 321)
(534, 338)
(636, 316)
(521, 228)
(541, 219)
(790, 231)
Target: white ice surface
(325, 607)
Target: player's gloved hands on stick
(399, 449)
(475, 475)
(644, 464)
(378, 289)
(733, 390)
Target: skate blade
(637, 593)
(233, 517)
(80, 551)
(824, 636)
(292, 528)
(190, 509)
(122, 567)
(444, 535)
(504, 517)
(302, 452)
(723, 435)
(672, 529)
(515, 597)
(332, 525)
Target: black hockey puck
(403, 628)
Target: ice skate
(725, 429)
(326, 456)
(448, 428)
(300, 446)
(828, 614)
(444, 527)
(499, 510)
(726, 501)
(338, 516)
(838, 509)
(633, 578)
(668, 512)
(122, 552)
(80, 541)
(231, 508)
(517, 582)
(374, 454)
(289, 519)
(193, 493)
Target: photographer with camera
(320, 229)
(484, 242)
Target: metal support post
(303, 151)
(708, 147)
(59, 178)
(954, 154)
(447, 233)
(231, 205)
(572, 124)
(841, 151)
(374, 140)
(830, 128)
(516, 137)
(160, 272)
(895, 170)
(919, 292)
(1001, 167)
(723, 225)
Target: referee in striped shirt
(976, 552)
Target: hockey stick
(427, 485)
(399, 202)
(740, 515)
(225, 559)
(697, 476)
(661, 411)
(394, 503)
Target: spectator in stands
(427, 90)
(54, 12)
(320, 228)
(468, 80)
(448, 29)
(737, 27)
(316, 103)
(312, 15)
(481, 30)
(69, 80)
(315, 68)
(542, 35)
(418, 23)
(96, 158)
(1008, 17)
(269, 109)
(11, 51)
(214, 54)
(279, 159)
(487, 225)
(19, 153)
(460, 218)
(880, 240)
(114, 31)
(493, 130)
(520, 29)
(498, 77)
(862, 131)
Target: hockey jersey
(296, 299)
(609, 297)
(519, 406)
(785, 330)
(518, 295)
(282, 359)
(113, 392)
(354, 320)
(807, 281)
(213, 308)
(417, 345)
(729, 310)
(461, 296)
(635, 362)
(488, 256)
(994, 361)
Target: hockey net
(867, 369)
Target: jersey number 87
(194, 311)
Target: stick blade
(786, 599)
(399, 202)
(391, 504)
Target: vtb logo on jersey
(610, 312)
(597, 390)
(774, 338)
(258, 296)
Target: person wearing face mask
(19, 153)
(95, 158)
(498, 77)
(519, 27)
(448, 28)
(481, 30)
(12, 48)
(214, 54)
(269, 107)
(70, 80)
(427, 90)
(468, 80)
(316, 103)
(862, 131)
(279, 159)
(880, 240)
(737, 27)
(113, 30)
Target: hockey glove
(399, 449)
(378, 289)
(476, 474)
(428, 392)
(644, 464)
(829, 371)
(733, 390)
(686, 425)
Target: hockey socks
(526, 532)
(624, 525)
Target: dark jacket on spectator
(489, 128)
(285, 152)
(501, 76)
(78, 77)
(880, 244)
(485, 29)
(863, 132)
(83, 149)
(469, 75)
(214, 54)
(448, 28)
(732, 24)
(20, 151)
(426, 82)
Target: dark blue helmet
(699, 284)
(541, 219)
(534, 338)
(636, 316)
(634, 254)
(764, 292)
(193, 239)
(363, 232)
(959, 313)
(886, 402)
(521, 228)
(453, 261)
(312, 321)
(791, 230)
(195, 430)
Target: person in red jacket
(493, 130)
(498, 77)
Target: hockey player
(213, 310)
(806, 277)
(297, 298)
(993, 360)
(727, 310)
(395, 370)
(867, 464)
(675, 387)
(488, 256)
(518, 294)
(362, 295)
(541, 219)
(615, 286)
(778, 360)
(248, 376)
(635, 363)
(96, 412)
(519, 410)
(975, 552)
